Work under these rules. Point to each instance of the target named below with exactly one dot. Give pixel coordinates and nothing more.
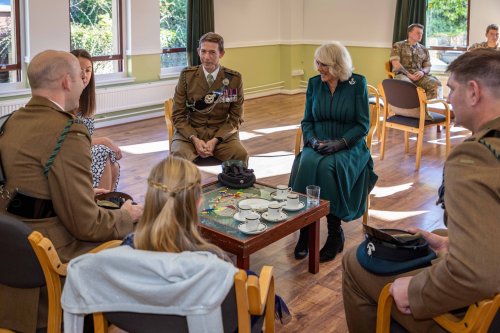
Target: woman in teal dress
(335, 155)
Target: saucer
(243, 228)
(294, 208)
(277, 197)
(237, 217)
(283, 216)
(257, 204)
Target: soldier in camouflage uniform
(491, 39)
(208, 107)
(411, 62)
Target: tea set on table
(249, 209)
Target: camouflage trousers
(429, 83)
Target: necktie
(210, 79)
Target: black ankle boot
(302, 247)
(335, 241)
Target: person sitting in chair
(208, 107)
(466, 270)
(491, 39)
(411, 62)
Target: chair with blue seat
(405, 109)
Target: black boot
(302, 247)
(335, 241)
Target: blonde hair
(170, 219)
(338, 59)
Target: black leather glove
(332, 146)
(313, 143)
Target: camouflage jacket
(413, 58)
(483, 45)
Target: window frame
(17, 31)
(454, 48)
(117, 56)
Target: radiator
(114, 99)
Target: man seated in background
(208, 107)
(411, 62)
(491, 39)
(466, 270)
(45, 155)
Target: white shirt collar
(214, 73)
(58, 105)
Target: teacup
(292, 200)
(244, 210)
(274, 210)
(252, 222)
(282, 191)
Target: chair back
(401, 94)
(374, 115)
(388, 70)
(168, 107)
(19, 266)
(152, 323)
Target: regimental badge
(352, 81)
(209, 98)
(225, 82)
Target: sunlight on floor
(387, 215)
(276, 129)
(146, 148)
(443, 140)
(264, 165)
(248, 135)
(380, 192)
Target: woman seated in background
(105, 153)
(335, 156)
(491, 39)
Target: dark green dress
(345, 177)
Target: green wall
(145, 68)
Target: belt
(30, 207)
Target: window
(10, 42)
(447, 30)
(173, 34)
(96, 26)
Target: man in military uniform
(491, 39)
(50, 189)
(466, 270)
(208, 107)
(411, 62)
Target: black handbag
(393, 251)
(112, 200)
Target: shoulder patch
(232, 72)
(191, 68)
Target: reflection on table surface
(220, 203)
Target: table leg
(313, 247)
(243, 262)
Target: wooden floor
(402, 197)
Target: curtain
(200, 20)
(408, 12)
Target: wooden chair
(168, 107)
(250, 296)
(388, 70)
(406, 96)
(477, 319)
(374, 120)
(29, 260)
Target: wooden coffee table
(223, 230)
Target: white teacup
(274, 210)
(244, 210)
(252, 221)
(292, 200)
(282, 191)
